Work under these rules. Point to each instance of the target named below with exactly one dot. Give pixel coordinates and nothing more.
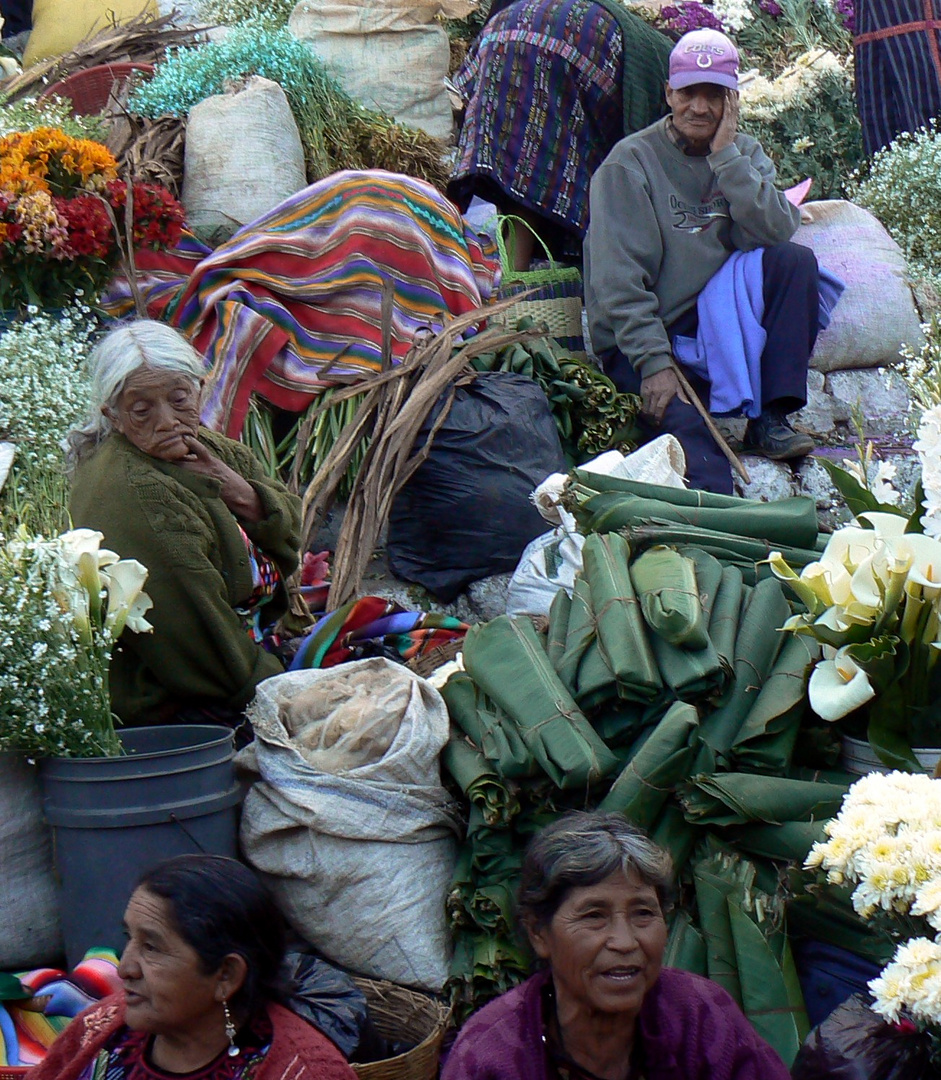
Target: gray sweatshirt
(662, 223)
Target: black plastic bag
(466, 513)
(326, 997)
(854, 1043)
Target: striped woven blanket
(292, 302)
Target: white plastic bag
(347, 817)
(243, 157)
(553, 560)
(29, 904)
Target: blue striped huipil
(898, 67)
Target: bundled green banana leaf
(485, 724)
(507, 660)
(725, 612)
(657, 765)
(579, 633)
(495, 853)
(483, 967)
(740, 551)
(789, 842)
(479, 780)
(621, 723)
(672, 831)
(757, 643)
(666, 586)
(559, 616)
(742, 798)
(686, 947)
(766, 738)
(826, 914)
(622, 635)
(747, 951)
(606, 503)
(491, 908)
(582, 666)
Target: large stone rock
(880, 395)
(817, 417)
(770, 480)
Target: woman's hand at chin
(237, 493)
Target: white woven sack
(32, 934)
(243, 156)
(360, 859)
(876, 314)
(391, 55)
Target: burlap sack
(876, 314)
(391, 55)
(243, 157)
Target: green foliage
(271, 15)
(816, 135)
(29, 114)
(771, 44)
(903, 189)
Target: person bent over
(687, 207)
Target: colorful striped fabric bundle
(29, 1027)
(299, 291)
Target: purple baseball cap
(704, 56)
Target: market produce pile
(665, 690)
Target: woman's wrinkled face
(166, 989)
(697, 110)
(156, 410)
(605, 946)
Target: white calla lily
(127, 602)
(885, 525)
(839, 686)
(850, 546)
(925, 569)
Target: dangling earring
(229, 1030)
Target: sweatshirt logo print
(691, 218)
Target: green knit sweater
(175, 523)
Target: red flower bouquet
(62, 218)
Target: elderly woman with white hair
(217, 536)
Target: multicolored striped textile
(551, 86)
(28, 1028)
(898, 67)
(374, 626)
(292, 302)
(542, 84)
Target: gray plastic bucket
(173, 793)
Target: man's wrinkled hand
(728, 125)
(656, 393)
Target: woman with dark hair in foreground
(201, 972)
(592, 898)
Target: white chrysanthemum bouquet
(886, 841)
(63, 604)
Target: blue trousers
(790, 288)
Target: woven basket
(91, 90)
(402, 1014)
(429, 662)
(555, 294)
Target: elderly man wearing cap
(669, 207)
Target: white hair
(127, 348)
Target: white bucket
(859, 758)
